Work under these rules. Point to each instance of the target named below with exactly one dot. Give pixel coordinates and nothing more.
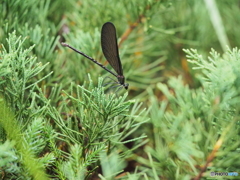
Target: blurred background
(151, 35)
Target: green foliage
(189, 126)
(95, 123)
(18, 71)
(13, 131)
(88, 121)
(112, 165)
(57, 121)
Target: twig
(209, 159)
(130, 29)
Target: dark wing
(110, 47)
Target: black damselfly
(110, 51)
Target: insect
(110, 51)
